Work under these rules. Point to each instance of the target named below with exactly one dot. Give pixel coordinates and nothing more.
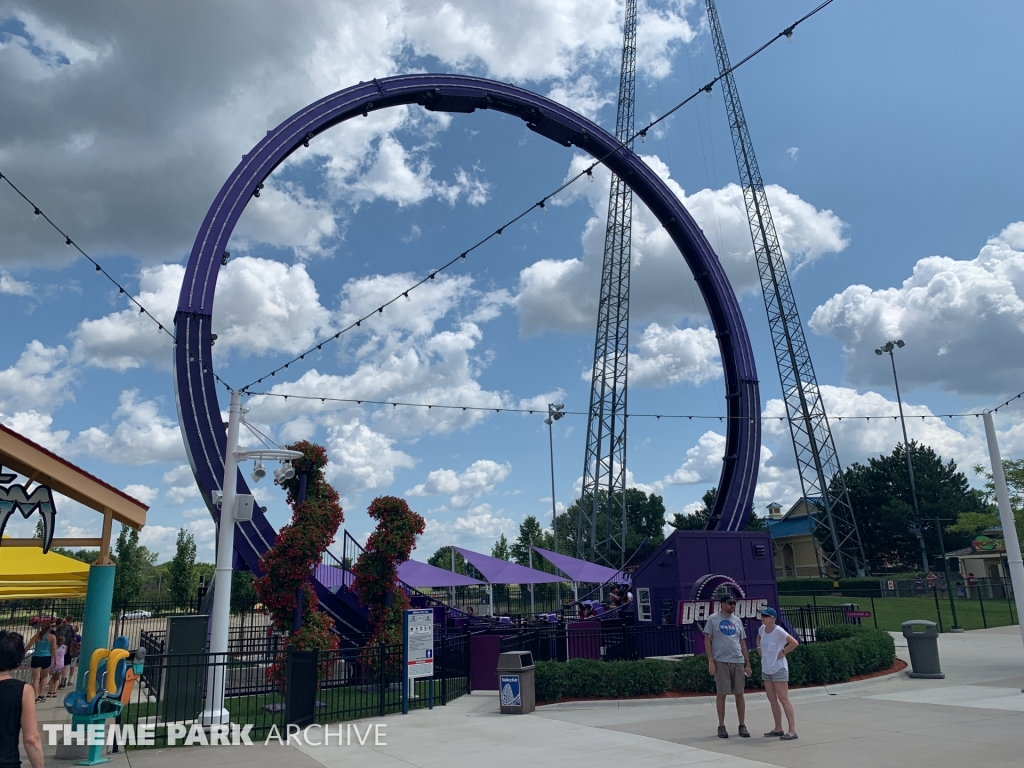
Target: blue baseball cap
(768, 612)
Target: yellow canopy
(26, 574)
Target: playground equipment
(108, 688)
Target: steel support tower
(821, 476)
(602, 525)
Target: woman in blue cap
(774, 644)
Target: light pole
(215, 713)
(889, 347)
(554, 414)
(949, 582)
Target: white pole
(452, 549)
(1013, 555)
(215, 714)
(533, 609)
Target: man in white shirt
(728, 661)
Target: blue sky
(888, 136)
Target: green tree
(83, 555)
(645, 519)
(204, 573)
(243, 591)
(442, 558)
(698, 520)
(134, 562)
(500, 549)
(530, 535)
(182, 573)
(972, 523)
(883, 505)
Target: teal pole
(99, 598)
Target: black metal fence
(805, 620)
(276, 688)
(977, 606)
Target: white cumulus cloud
(561, 294)
(464, 487)
(665, 356)
(962, 320)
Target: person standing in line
(775, 644)
(57, 665)
(42, 645)
(17, 707)
(74, 644)
(728, 662)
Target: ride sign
(419, 642)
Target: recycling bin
(923, 643)
(515, 683)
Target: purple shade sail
(580, 570)
(417, 574)
(503, 572)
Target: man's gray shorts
(729, 678)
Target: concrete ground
(973, 717)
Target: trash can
(923, 644)
(515, 683)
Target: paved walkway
(973, 717)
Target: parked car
(137, 614)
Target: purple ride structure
(199, 409)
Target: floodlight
(285, 472)
(258, 473)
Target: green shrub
(861, 586)
(845, 650)
(837, 632)
(792, 585)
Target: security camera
(258, 473)
(670, 551)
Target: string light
(656, 416)
(121, 290)
(588, 172)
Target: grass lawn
(891, 612)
